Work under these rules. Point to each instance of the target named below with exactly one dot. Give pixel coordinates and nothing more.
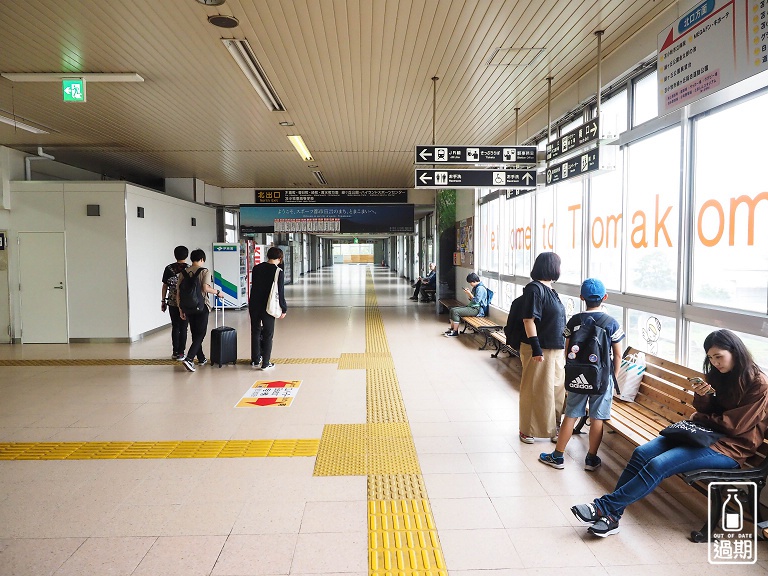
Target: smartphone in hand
(697, 380)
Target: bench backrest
(664, 389)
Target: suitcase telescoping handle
(216, 309)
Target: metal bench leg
(580, 424)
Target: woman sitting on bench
(733, 400)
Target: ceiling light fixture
(87, 76)
(243, 54)
(286, 123)
(301, 148)
(224, 21)
(24, 126)
(320, 178)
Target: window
(651, 333)
(653, 202)
(507, 236)
(523, 240)
(568, 232)
(698, 333)
(730, 215)
(605, 226)
(646, 101)
(544, 225)
(614, 113)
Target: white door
(42, 287)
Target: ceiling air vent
(515, 57)
(223, 21)
(320, 178)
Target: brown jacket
(744, 424)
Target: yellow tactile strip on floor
(147, 362)
(365, 360)
(149, 450)
(362, 449)
(403, 539)
(396, 487)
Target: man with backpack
(593, 356)
(170, 284)
(194, 284)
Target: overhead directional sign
(515, 192)
(73, 89)
(574, 139)
(601, 158)
(475, 178)
(476, 154)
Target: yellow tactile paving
(384, 403)
(146, 361)
(396, 487)
(403, 539)
(362, 449)
(365, 360)
(148, 450)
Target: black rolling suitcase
(223, 342)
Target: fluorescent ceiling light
(16, 124)
(87, 76)
(243, 54)
(301, 148)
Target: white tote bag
(273, 302)
(630, 374)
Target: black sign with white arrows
(576, 166)
(475, 154)
(576, 138)
(475, 178)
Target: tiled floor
(496, 509)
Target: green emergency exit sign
(73, 89)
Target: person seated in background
(478, 304)
(427, 283)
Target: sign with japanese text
(437, 178)
(319, 218)
(601, 158)
(270, 393)
(331, 196)
(714, 45)
(576, 138)
(437, 154)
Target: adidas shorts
(599, 404)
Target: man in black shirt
(170, 285)
(263, 323)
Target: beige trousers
(542, 392)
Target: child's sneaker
(552, 460)
(606, 526)
(451, 334)
(592, 463)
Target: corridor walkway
(397, 454)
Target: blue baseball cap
(592, 290)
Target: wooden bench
(449, 303)
(429, 294)
(481, 325)
(665, 396)
(500, 340)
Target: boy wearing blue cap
(593, 294)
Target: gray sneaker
(585, 513)
(606, 526)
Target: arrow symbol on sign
(423, 154)
(593, 128)
(67, 90)
(424, 177)
(527, 178)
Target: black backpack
(588, 365)
(191, 292)
(514, 330)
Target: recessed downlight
(212, 2)
(286, 123)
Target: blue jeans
(653, 462)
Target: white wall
(167, 223)
(95, 251)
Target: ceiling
(354, 76)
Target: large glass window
(646, 99)
(605, 226)
(568, 230)
(544, 231)
(651, 333)
(507, 236)
(730, 216)
(523, 240)
(614, 113)
(697, 334)
(653, 203)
